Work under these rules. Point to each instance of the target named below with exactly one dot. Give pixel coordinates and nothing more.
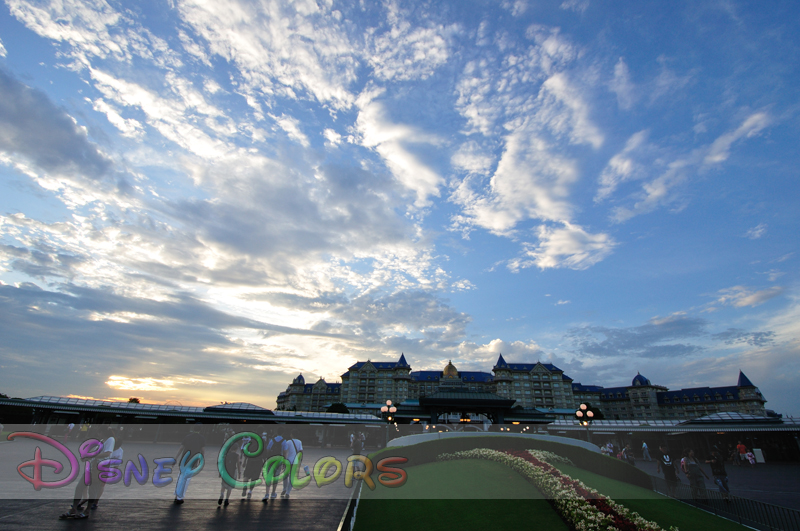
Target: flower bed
(581, 507)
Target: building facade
(532, 385)
(300, 396)
(643, 400)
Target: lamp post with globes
(387, 412)
(585, 416)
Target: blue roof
(466, 376)
(586, 388)
(610, 393)
(640, 380)
(744, 381)
(426, 375)
(528, 367)
(501, 363)
(383, 364)
(331, 387)
(701, 393)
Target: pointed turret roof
(744, 381)
(501, 362)
(402, 361)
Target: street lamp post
(585, 416)
(387, 413)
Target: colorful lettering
(140, 474)
(392, 477)
(163, 467)
(297, 482)
(108, 473)
(37, 463)
(321, 470)
(351, 473)
(226, 477)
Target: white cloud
(170, 116)
(406, 52)
(127, 126)
(622, 166)
(291, 126)
(621, 85)
(530, 182)
(756, 232)
(579, 6)
(568, 246)
(287, 49)
(564, 111)
(516, 8)
(471, 158)
(562, 302)
(720, 149)
(741, 296)
(462, 285)
(332, 137)
(661, 189)
(393, 141)
(2, 49)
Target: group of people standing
(690, 466)
(237, 463)
(248, 469)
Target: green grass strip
(437, 496)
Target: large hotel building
(541, 386)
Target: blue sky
(199, 200)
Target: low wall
(425, 437)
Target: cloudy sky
(201, 199)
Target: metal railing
(752, 513)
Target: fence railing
(756, 514)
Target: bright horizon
(198, 201)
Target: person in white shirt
(81, 489)
(113, 445)
(291, 447)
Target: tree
(133, 400)
(3, 395)
(338, 407)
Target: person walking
(81, 494)
(627, 455)
(741, 449)
(717, 463)
(691, 467)
(67, 434)
(97, 488)
(194, 443)
(274, 447)
(646, 452)
(291, 447)
(252, 466)
(232, 467)
(666, 465)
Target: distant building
(537, 385)
(643, 400)
(300, 396)
(532, 385)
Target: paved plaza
(774, 483)
(312, 508)
(288, 515)
(145, 507)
